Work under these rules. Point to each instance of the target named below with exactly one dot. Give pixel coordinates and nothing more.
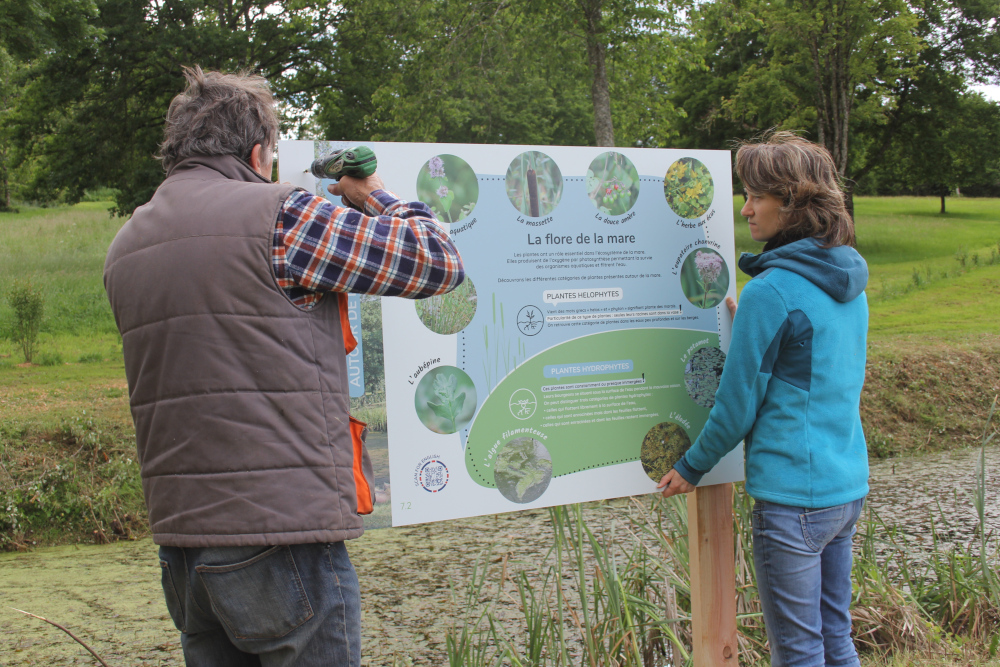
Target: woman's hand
(672, 484)
(731, 305)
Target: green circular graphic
(702, 374)
(449, 313)
(688, 188)
(612, 183)
(534, 184)
(449, 186)
(523, 470)
(445, 399)
(705, 278)
(663, 446)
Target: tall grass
(613, 590)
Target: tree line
(84, 84)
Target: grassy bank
(67, 454)
(933, 357)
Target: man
(230, 293)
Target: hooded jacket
(791, 384)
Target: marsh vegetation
(68, 476)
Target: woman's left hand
(672, 484)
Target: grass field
(67, 449)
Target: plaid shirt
(394, 248)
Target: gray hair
(219, 114)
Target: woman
(790, 389)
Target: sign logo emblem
(530, 320)
(523, 404)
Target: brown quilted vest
(240, 398)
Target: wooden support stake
(713, 576)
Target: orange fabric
(360, 482)
(345, 324)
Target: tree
(950, 143)
(495, 71)
(92, 113)
(827, 61)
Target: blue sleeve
(759, 320)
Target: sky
(990, 92)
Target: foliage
(449, 313)
(88, 486)
(705, 278)
(534, 183)
(450, 186)
(702, 374)
(122, 62)
(445, 399)
(663, 446)
(371, 344)
(523, 469)
(450, 399)
(616, 591)
(612, 183)
(28, 304)
(688, 188)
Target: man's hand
(672, 484)
(354, 191)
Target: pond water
(934, 492)
(110, 595)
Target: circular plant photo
(705, 278)
(523, 470)
(702, 373)
(449, 313)
(534, 184)
(663, 446)
(612, 183)
(448, 185)
(445, 399)
(688, 188)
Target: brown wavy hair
(803, 176)
(219, 114)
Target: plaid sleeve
(394, 248)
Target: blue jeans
(803, 561)
(264, 606)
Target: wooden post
(713, 576)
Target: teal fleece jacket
(791, 383)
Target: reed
(613, 591)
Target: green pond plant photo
(534, 184)
(445, 399)
(689, 188)
(704, 278)
(449, 186)
(449, 313)
(612, 183)
(523, 470)
(662, 447)
(702, 374)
